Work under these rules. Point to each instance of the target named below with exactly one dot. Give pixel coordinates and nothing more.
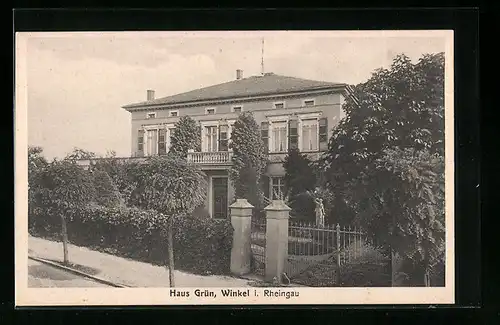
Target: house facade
(291, 113)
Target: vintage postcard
(236, 168)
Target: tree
(67, 188)
(186, 136)
(172, 187)
(300, 180)
(107, 193)
(36, 167)
(383, 155)
(248, 160)
(80, 154)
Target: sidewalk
(124, 271)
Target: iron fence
(323, 248)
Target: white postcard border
(25, 296)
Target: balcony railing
(215, 157)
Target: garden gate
(258, 244)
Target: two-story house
(291, 112)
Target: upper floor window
(216, 137)
(309, 102)
(211, 138)
(151, 115)
(279, 137)
(174, 113)
(210, 111)
(279, 105)
(237, 109)
(223, 137)
(303, 133)
(310, 135)
(154, 140)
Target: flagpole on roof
(262, 58)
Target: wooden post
(338, 254)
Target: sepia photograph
(231, 167)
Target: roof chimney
(151, 94)
(239, 74)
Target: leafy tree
(66, 188)
(80, 154)
(171, 186)
(300, 181)
(249, 159)
(107, 193)
(384, 156)
(36, 167)
(186, 136)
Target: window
(174, 113)
(277, 188)
(162, 141)
(211, 138)
(152, 142)
(151, 115)
(309, 102)
(210, 111)
(279, 137)
(323, 134)
(279, 105)
(293, 134)
(140, 143)
(264, 134)
(237, 109)
(223, 137)
(310, 135)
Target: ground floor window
(277, 188)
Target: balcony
(210, 158)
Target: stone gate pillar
(241, 252)
(277, 214)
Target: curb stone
(77, 272)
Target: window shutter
(223, 129)
(264, 132)
(293, 134)
(323, 134)
(161, 142)
(140, 143)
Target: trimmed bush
(202, 245)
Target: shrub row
(201, 245)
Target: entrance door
(219, 190)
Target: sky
(78, 82)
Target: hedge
(201, 245)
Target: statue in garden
(320, 212)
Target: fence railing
(330, 246)
(216, 157)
